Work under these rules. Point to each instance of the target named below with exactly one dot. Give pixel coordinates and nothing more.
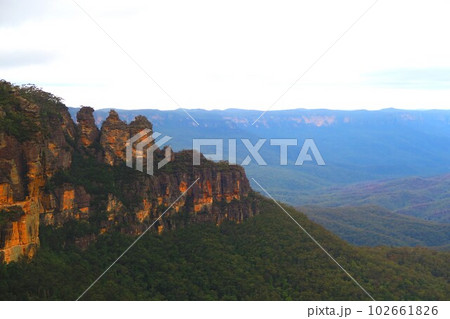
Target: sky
(231, 54)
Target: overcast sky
(231, 54)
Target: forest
(266, 257)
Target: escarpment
(34, 128)
(54, 171)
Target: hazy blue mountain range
(356, 145)
(426, 198)
(374, 226)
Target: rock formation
(113, 139)
(87, 130)
(32, 148)
(48, 168)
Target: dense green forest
(371, 225)
(265, 258)
(424, 198)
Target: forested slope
(266, 257)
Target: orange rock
(68, 199)
(183, 187)
(6, 194)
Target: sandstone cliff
(53, 171)
(32, 148)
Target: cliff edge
(54, 171)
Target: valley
(69, 206)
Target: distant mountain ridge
(234, 118)
(357, 146)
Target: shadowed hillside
(425, 198)
(375, 226)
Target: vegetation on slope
(425, 198)
(265, 258)
(375, 226)
(21, 123)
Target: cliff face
(54, 171)
(221, 193)
(32, 148)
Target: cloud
(22, 58)
(424, 78)
(242, 54)
(14, 13)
